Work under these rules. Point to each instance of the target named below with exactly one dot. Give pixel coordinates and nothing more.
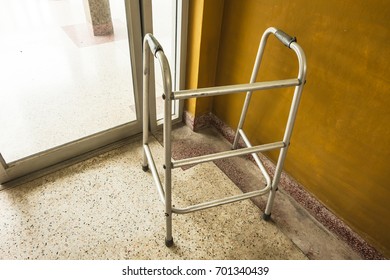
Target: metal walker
(165, 193)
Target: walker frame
(151, 45)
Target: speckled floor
(289, 214)
(108, 208)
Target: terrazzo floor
(108, 208)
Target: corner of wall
(204, 30)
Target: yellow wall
(340, 146)
(204, 27)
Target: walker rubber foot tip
(266, 217)
(145, 168)
(169, 243)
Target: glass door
(70, 72)
(71, 77)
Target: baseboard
(197, 123)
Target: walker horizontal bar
(227, 154)
(156, 178)
(212, 91)
(222, 201)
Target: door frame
(179, 72)
(180, 57)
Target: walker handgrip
(285, 38)
(153, 44)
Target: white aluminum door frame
(180, 56)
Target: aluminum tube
(257, 159)
(167, 128)
(276, 179)
(221, 90)
(218, 202)
(227, 154)
(166, 75)
(156, 177)
(297, 92)
(154, 45)
(290, 124)
(302, 61)
(255, 72)
(270, 202)
(145, 102)
(283, 151)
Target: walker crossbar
(151, 45)
(212, 91)
(200, 206)
(227, 154)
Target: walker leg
(266, 217)
(270, 203)
(169, 242)
(168, 220)
(168, 205)
(167, 129)
(145, 168)
(145, 105)
(275, 182)
(168, 195)
(168, 211)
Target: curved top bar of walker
(154, 45)
(288, 41)
(284, 38)
(158, 52)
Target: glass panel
(164, 18)
(63, 75)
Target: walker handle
(153, 44)
(285, 38)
